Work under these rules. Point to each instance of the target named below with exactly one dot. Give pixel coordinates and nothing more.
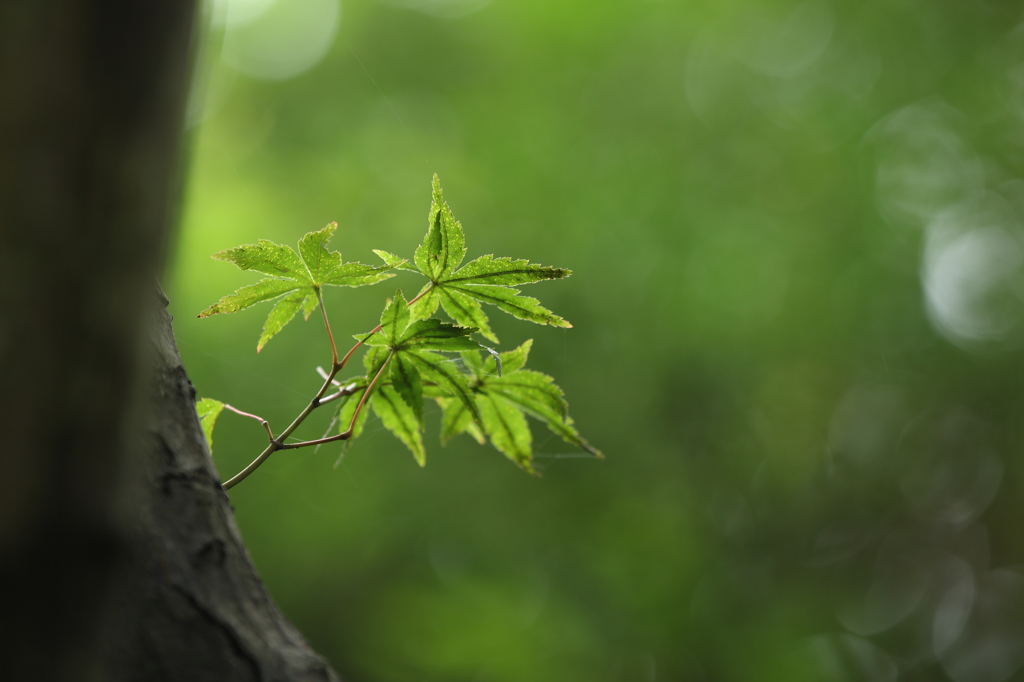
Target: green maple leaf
(208, 410)
(504, 399)
(456, 419)
(399, 331)
(400, 419)
(508, 431)
(405, 379)
(296, 279)
(461, 290)
(415, 368)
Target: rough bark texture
(194, 607)
(91, 107)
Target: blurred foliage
(796, 232)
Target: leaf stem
(330, 334)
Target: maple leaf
(409, 354)
(399, 419)
(461, 290)
(504, 401)
(296, 279)
(410, 349)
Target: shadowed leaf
(399, 419)
(208, 410)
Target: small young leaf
(208, 410)
(399, 419)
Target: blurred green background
(797, 233)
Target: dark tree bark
(192, 607)
(119, 557)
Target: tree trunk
(193, 607)
(119, 557)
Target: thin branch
(244, 473)
(348, 390)
(354, 348)
(261, 420)
(336, 366)
(276, 444)
(323, 375)
(355, 415)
